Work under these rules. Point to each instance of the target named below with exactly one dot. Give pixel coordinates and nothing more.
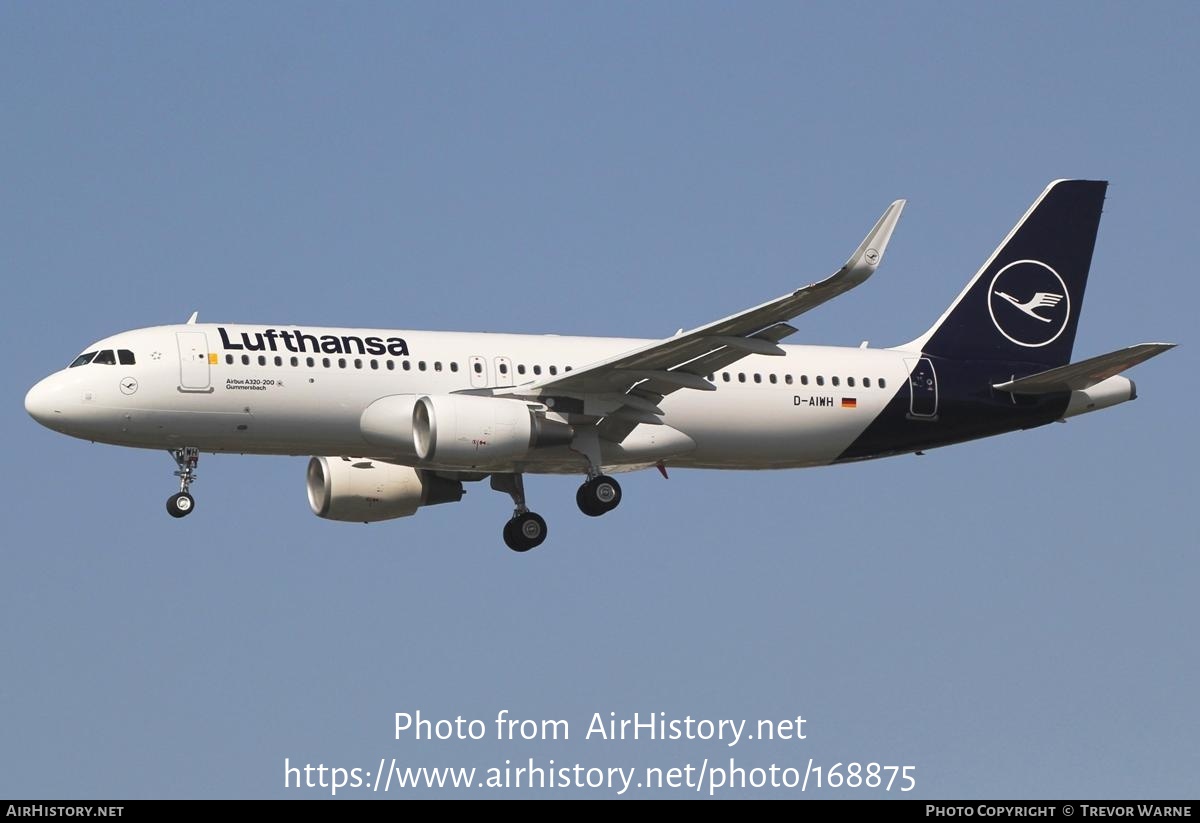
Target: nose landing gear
(181, 504)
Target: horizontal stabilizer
(1085, 373)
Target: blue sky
(1013, 617)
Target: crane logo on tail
(1039, 300)
(1029, 303)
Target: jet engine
(469, 431)
(360, 490)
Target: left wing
(626, 389)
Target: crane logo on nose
(128, 385)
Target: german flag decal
(849, 403)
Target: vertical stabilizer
(1023, 304)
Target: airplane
(401, 419)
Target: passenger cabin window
(125, 356)
(820, 380)
(787, 378)
(83, 359)
(229, 360)
(882, 383)
(106, 358)
(866, 382)
(453, 366)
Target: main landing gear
(181, 504)
(598, 495)
(525, 530)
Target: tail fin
(1024, 303)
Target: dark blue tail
(1023, 305)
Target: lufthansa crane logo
(1029, 303)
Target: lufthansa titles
(295, 340)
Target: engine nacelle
(469, 431)
(388, 424)
(359, 490)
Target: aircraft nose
(40, 402)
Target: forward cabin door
(193, 361)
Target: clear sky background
(1015, 617)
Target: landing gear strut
(181, 504)
(525, 530)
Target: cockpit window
(126, 357)
(83, 359)
(106, 358)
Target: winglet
(192, 320)
(869, 254)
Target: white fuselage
(303, 390)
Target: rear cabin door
(922, 388)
